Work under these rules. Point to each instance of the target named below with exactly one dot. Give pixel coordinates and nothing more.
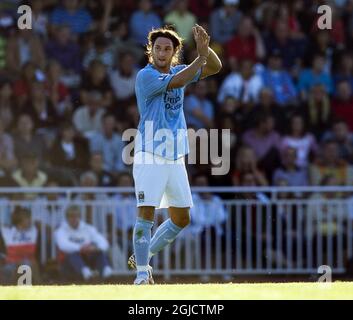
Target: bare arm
(213, 65)
(187, 74)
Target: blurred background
(285, 93)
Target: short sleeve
(152, 82)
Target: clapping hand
(202, 40)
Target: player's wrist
(202, 59)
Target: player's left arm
(213, 63)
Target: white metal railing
(263, 234)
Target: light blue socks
(141, 240)
(165, 234)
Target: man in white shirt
(81, 247)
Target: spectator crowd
(67, 94)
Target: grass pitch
(231, 291)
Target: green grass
(298, 290)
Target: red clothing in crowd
(242, 48)
(344, 110)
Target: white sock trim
(142, 268)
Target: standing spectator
(342, 104)
(308, 78)
(82, 247)
(21, 246)
(225, 21)
(66, 51)
(182, 19)
(78, 19)
(345, 70)
(279, 80)
(198, 109)
(343, 137)
(122, 79)
(247, 43)
(301, 140)
(289, 170)
(143, 21)
(25, 139)
(330, 163)
(105, 178)
(245, 86)
(69, 151)
(7, 154)
(88, 118)
(40, 18)
(109, 144)
(266, 143)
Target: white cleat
(132, 265)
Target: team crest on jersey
(141, 196)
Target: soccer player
(159, 173)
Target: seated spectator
(21, 247)
(25, 139)
(245, 162)
(143, 21)
(265, 142)
(292, 50)
(182, 19)
(289, 171)
(88, 118)
(247, 43)
(29, 175)
(308, 78)
(7, 104)
(318, 112)
(41, 110)
(109, 144)
(82, 248)
(69, 151)
(225, 21)
(40, 18)
(22, 86)
(198, 109)
(56, 91)
(279, 80)
(105, 178)
(101, 51)
(24, 41)
(96, 79)
(343, 137)
(208, 210)
(345, 70)
(66, 51)
(301, 140)
(70, 14)
(123, 78)
(331, 163)
(7, 155)
(342, 104)
(245, 86)
(121, 42)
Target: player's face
(162, 52)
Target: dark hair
(18, 214)
(164, 32)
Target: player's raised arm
(213, 64)
(186, 75)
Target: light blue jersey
(162, 127)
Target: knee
(146, 213)
(182, 221)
